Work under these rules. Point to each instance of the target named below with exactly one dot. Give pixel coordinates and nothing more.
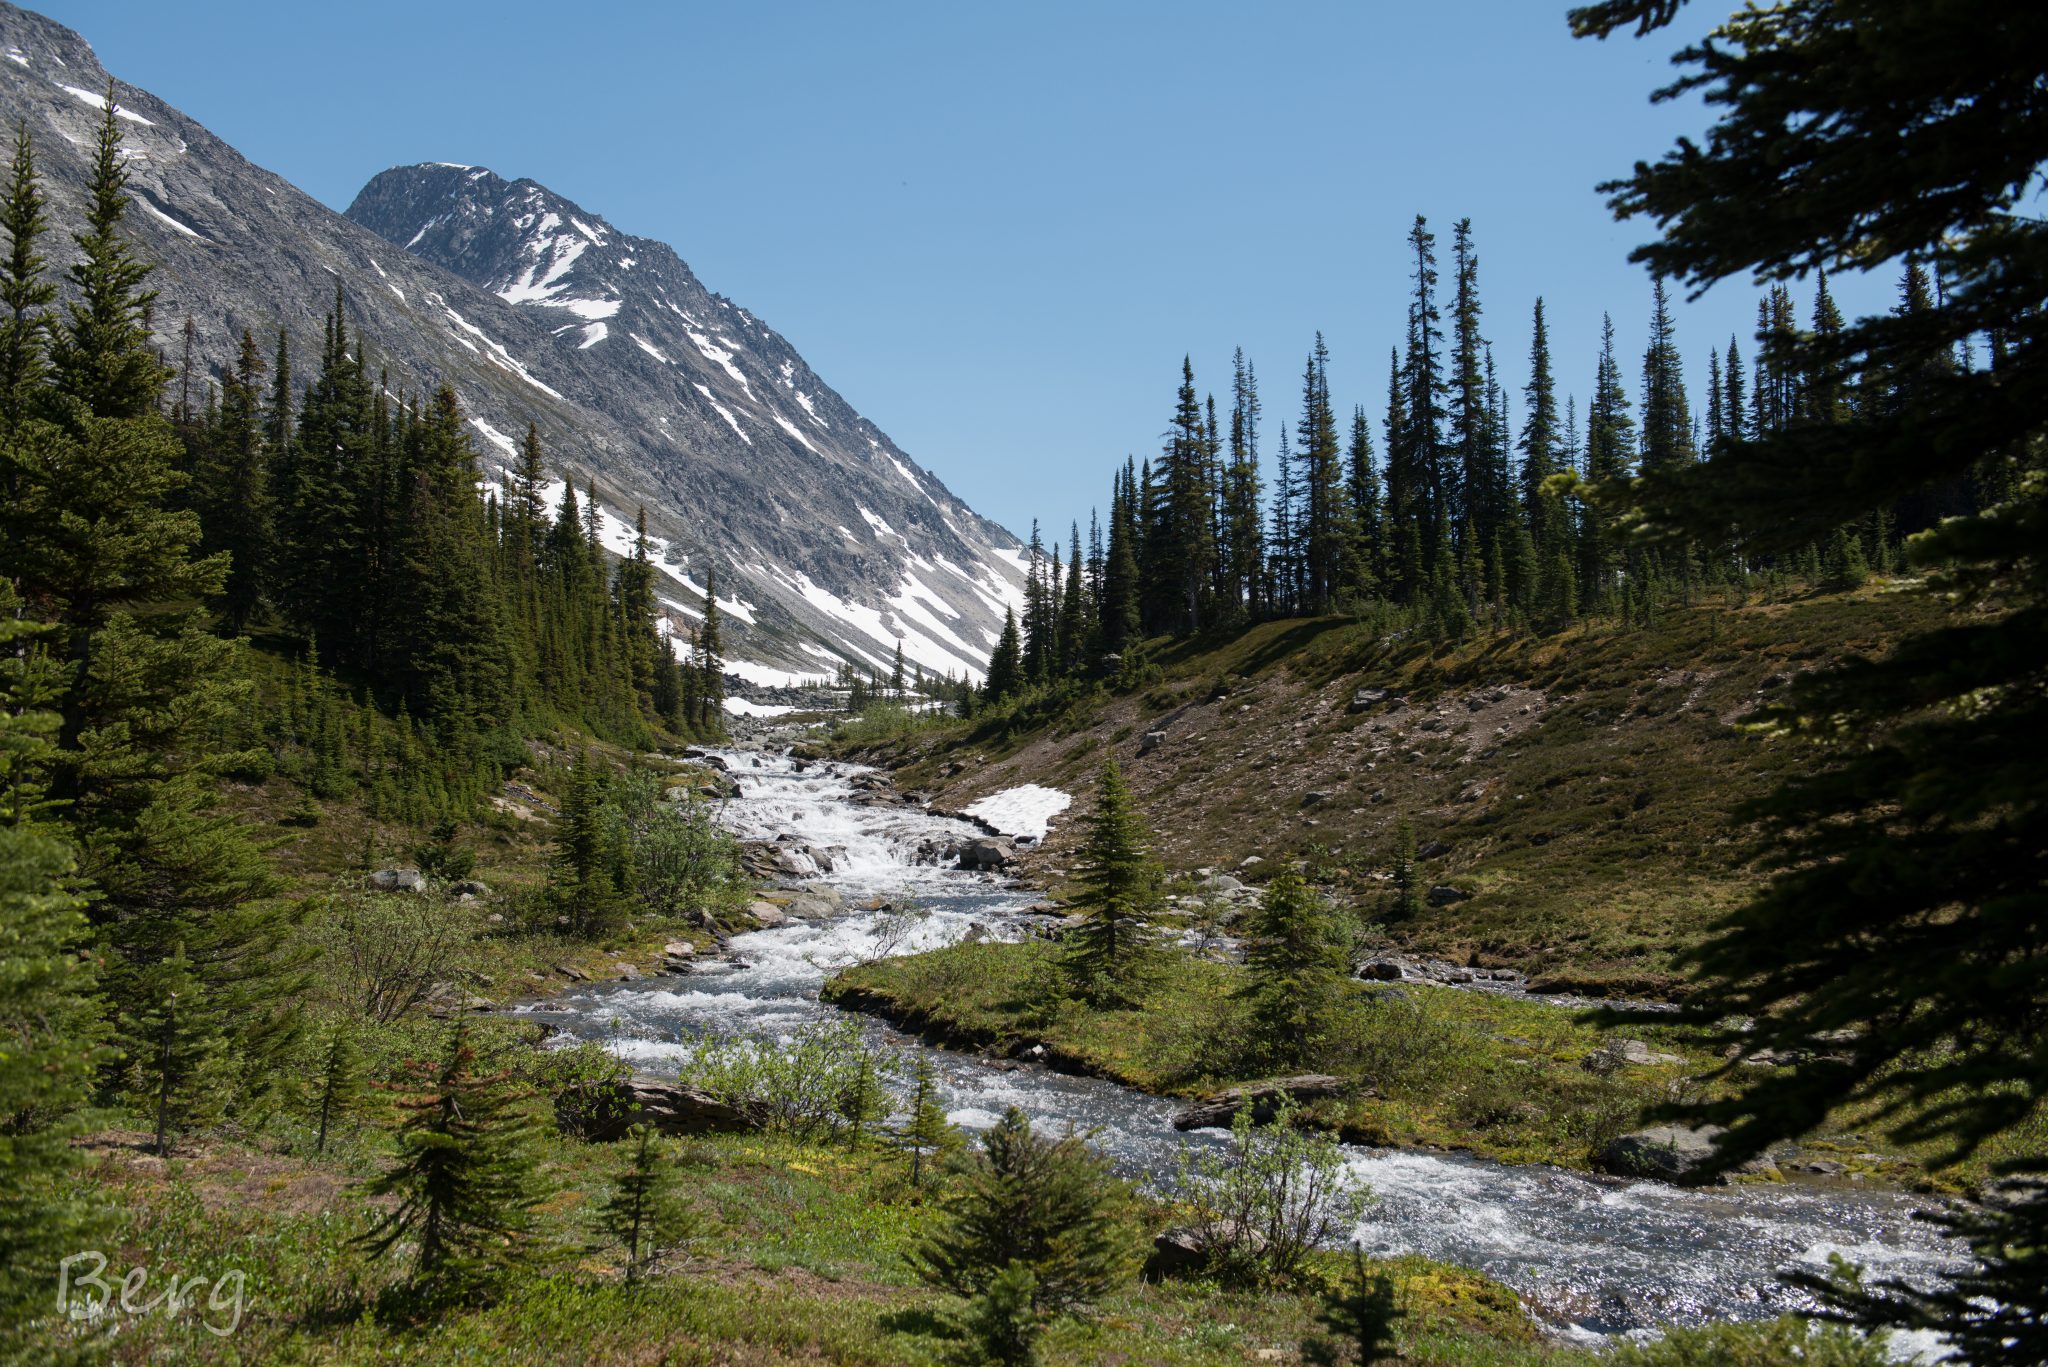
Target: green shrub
(829, 1082)
(1774, 1343)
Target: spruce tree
(1407, 886)
(646, 1214)
(339, 1085)
(103, 363)
(927, 1134)
(1610, 459)
(711, 662)
(1029, 1202)
(1540, 441)
(175, 1041)
(1297, 960)
(444, 631)
(1243, 537)
(231, 488)
(584, 872)
(464, 1182)
(147, 694)
(1931, 784)
(50, 1025)
(1005, 663)
(1368, 568)
(1073, 620)
(1422, 451)
(26, 296)
(1109, 955)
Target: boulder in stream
(987, 855)
(1669, 1153)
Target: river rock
(1617, 1054)
(671, 1107)
(767, 915)
(987, 855)
(398, 880)
(814, 904)
(677, 955)
(1187, 1249)
(1670, 1153)
(1217, 1111)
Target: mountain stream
(1593, 1256)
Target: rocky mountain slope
(830, 544)
(1568, 794)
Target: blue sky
(996, 229)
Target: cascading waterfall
(1594, 1256)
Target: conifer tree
(1404, 502)
(1073, 622)
(1425, 466)
(1297, 960)
(174, 1040)
(1667, 420)
(1005, 664)
(1328, 532)
(1368, 570)
(146, 694)
(339, 1084)
(1120, 628)
(103, 363)
(1039, 1205)
(445, 630)
(25, 297)
(1407, 889)
(927, 1135)
(1931, 783)
(585, 845)
(1610, 458)
(1110, 953)
(50, 1026)
(711, 662)
(1243, 537)
(464, 1181)
(232, 488)
(1481, 478)
(645, 1213)
(1037, 624)
(1540, 441)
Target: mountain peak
(829, 544)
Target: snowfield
(1028, 810)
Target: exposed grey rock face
(534, 310)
